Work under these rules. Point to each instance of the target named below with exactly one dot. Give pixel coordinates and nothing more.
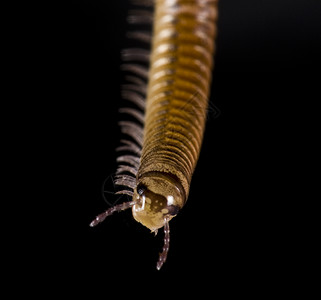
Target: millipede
(168, 78)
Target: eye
(141, 189)
(173, 210)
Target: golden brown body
(165, 142)
(177, 94)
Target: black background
(234, 234)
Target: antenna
(119, 207)
(163, 256)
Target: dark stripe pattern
(178, 87)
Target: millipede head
(157, 200)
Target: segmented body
(168, 87)
(178, 87)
